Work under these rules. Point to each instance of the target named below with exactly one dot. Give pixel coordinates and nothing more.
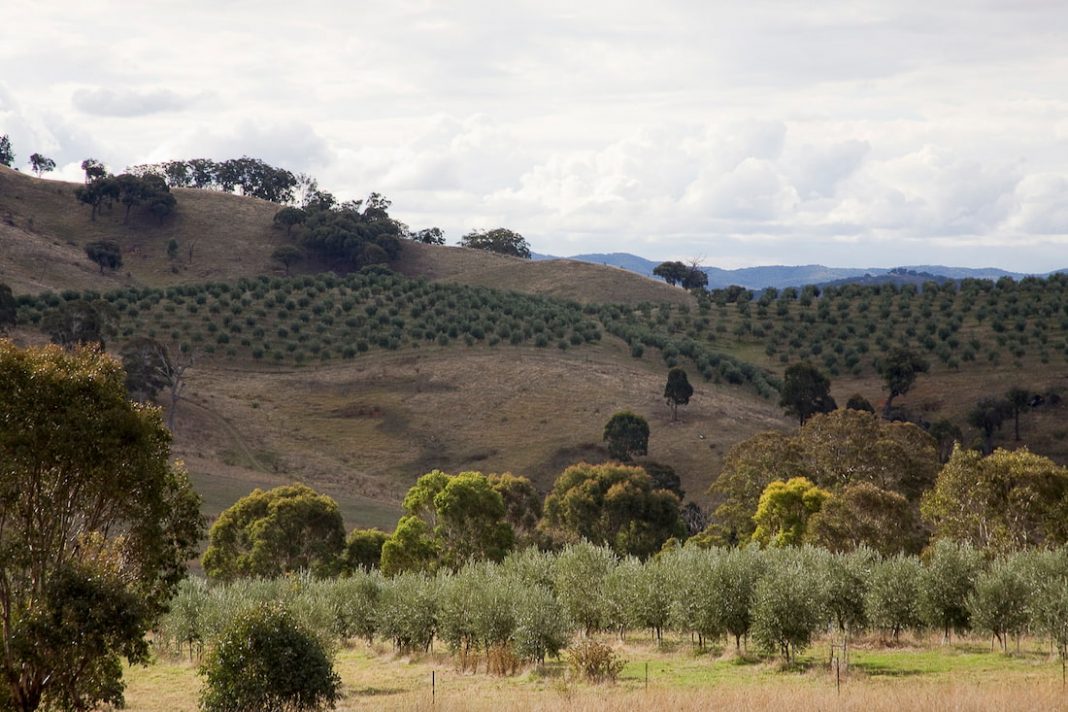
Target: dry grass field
(363, 431)
(961, 677)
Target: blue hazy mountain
(780, 276)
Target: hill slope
(223, 237)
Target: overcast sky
(751, 132)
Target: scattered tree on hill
(859, 402)
(899, 369)
(94, 170)
(672, 272)
(80, 322)
(677, 391)
(264, 660)
(806, 391)
(7, 156)
(97, 194)
(430, 236)
(269, 533)
(8, 308)
(105, 253)
(97, 528)
(946, 436)
(363, 550)
(1020, 400)
(288, 217)
(784, 510)
(988, 416)
(41, 164)
(287, 256)
(500, 240)
(357, 232)
(626, 435)
(613, 505)
(1007, 501)
(172, 248)
(151, 365)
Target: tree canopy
(106, 254)
(451, 520)
(500, 240)
(269, 533)
(7, 156)
(615, 505)
(41, 164)
(1004, 502)
(626, 434)
(899, 368)
(97, 527)
(784, 510)
(677, 391)
(806, 391)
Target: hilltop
(223, 237)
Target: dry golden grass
(962, 679)
(566, 279)
(363, 431)
(233, 236)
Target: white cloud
(836, 132)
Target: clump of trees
(500, 240)
(248, 176)
(688, 276)
(871, 468)
(148, 193)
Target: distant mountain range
(780, 276)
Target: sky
(853, 134)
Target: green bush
(265, 661)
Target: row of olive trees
(532, 604)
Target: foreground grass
(962, 676)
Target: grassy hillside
(224, 237)
(359, 384)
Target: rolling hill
(469, 360)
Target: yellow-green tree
(1004, 502)
(451, 520)
(95, 527)
(784, 511)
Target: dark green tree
(500, 240)
(288, 217)
(1020, 400)
(94, 170)
(363, 550)
(626, 435)
(899, 369)
(430, 236)
(288, 528)
(266, 661)
(97, 194)
(988, 416)
(7, 156)
(41, 164)
(287, 256)
(859, 402)
(677, 391)
(946, 435)
(8, 308)
(806, 391)
(105, 253)
(672, 272)
(97, 527)
(80, 322)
